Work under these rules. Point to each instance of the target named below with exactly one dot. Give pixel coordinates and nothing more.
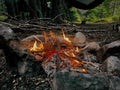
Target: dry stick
(8, 24)
(57, 16)
(53, 19)
(49, 79)
(57, 65)
(13, 18)
(90, 63)
(50, 82)
(108, 37)
(37, 38)
(45, 36)
(57, 54)
(27, 25)
(112, 85)
(57, 61)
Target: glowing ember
(69, 54)
(84, 70)
(36, 48)
(75, 63)
(45, 36)
(77, 50)
(65, 38)
(73, 55)
(51, 33)
(50, 53)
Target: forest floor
(37, 79)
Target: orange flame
(84, 70)
(69, 54)
(36, 48)
(77, 50)
(65, 38)
(45, 36)
(51, 33)
(75, 62)
(73, 55)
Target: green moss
(2, 17)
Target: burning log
(70, 56)
(28, 42)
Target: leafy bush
(115, 18)
(75, 17)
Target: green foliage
(109, 11)
(2, 6)
(115, 18)
(2, 9)
(74, 15)
(2, 17)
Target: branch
(8, 24)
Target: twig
(50, 82)
(111, 85)
(14, 18)
(57, 16)
(53, 19)
(9, 25)
(93, 64)
(37, 38)
(57, 55)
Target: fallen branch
(9, 25)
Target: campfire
(61, 50)
(65, 52)
(65, 59)
(61, 53)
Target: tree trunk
(11, 7)
(60, 10)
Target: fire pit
(69, 61)
(65, 52)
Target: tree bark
(60, 8)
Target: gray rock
(22, 67)
(6, 32)
(111, 49)
(79, 39)
(89, 57)
(111, 64)
(80, 81)
(93, 46)
(111, 45)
